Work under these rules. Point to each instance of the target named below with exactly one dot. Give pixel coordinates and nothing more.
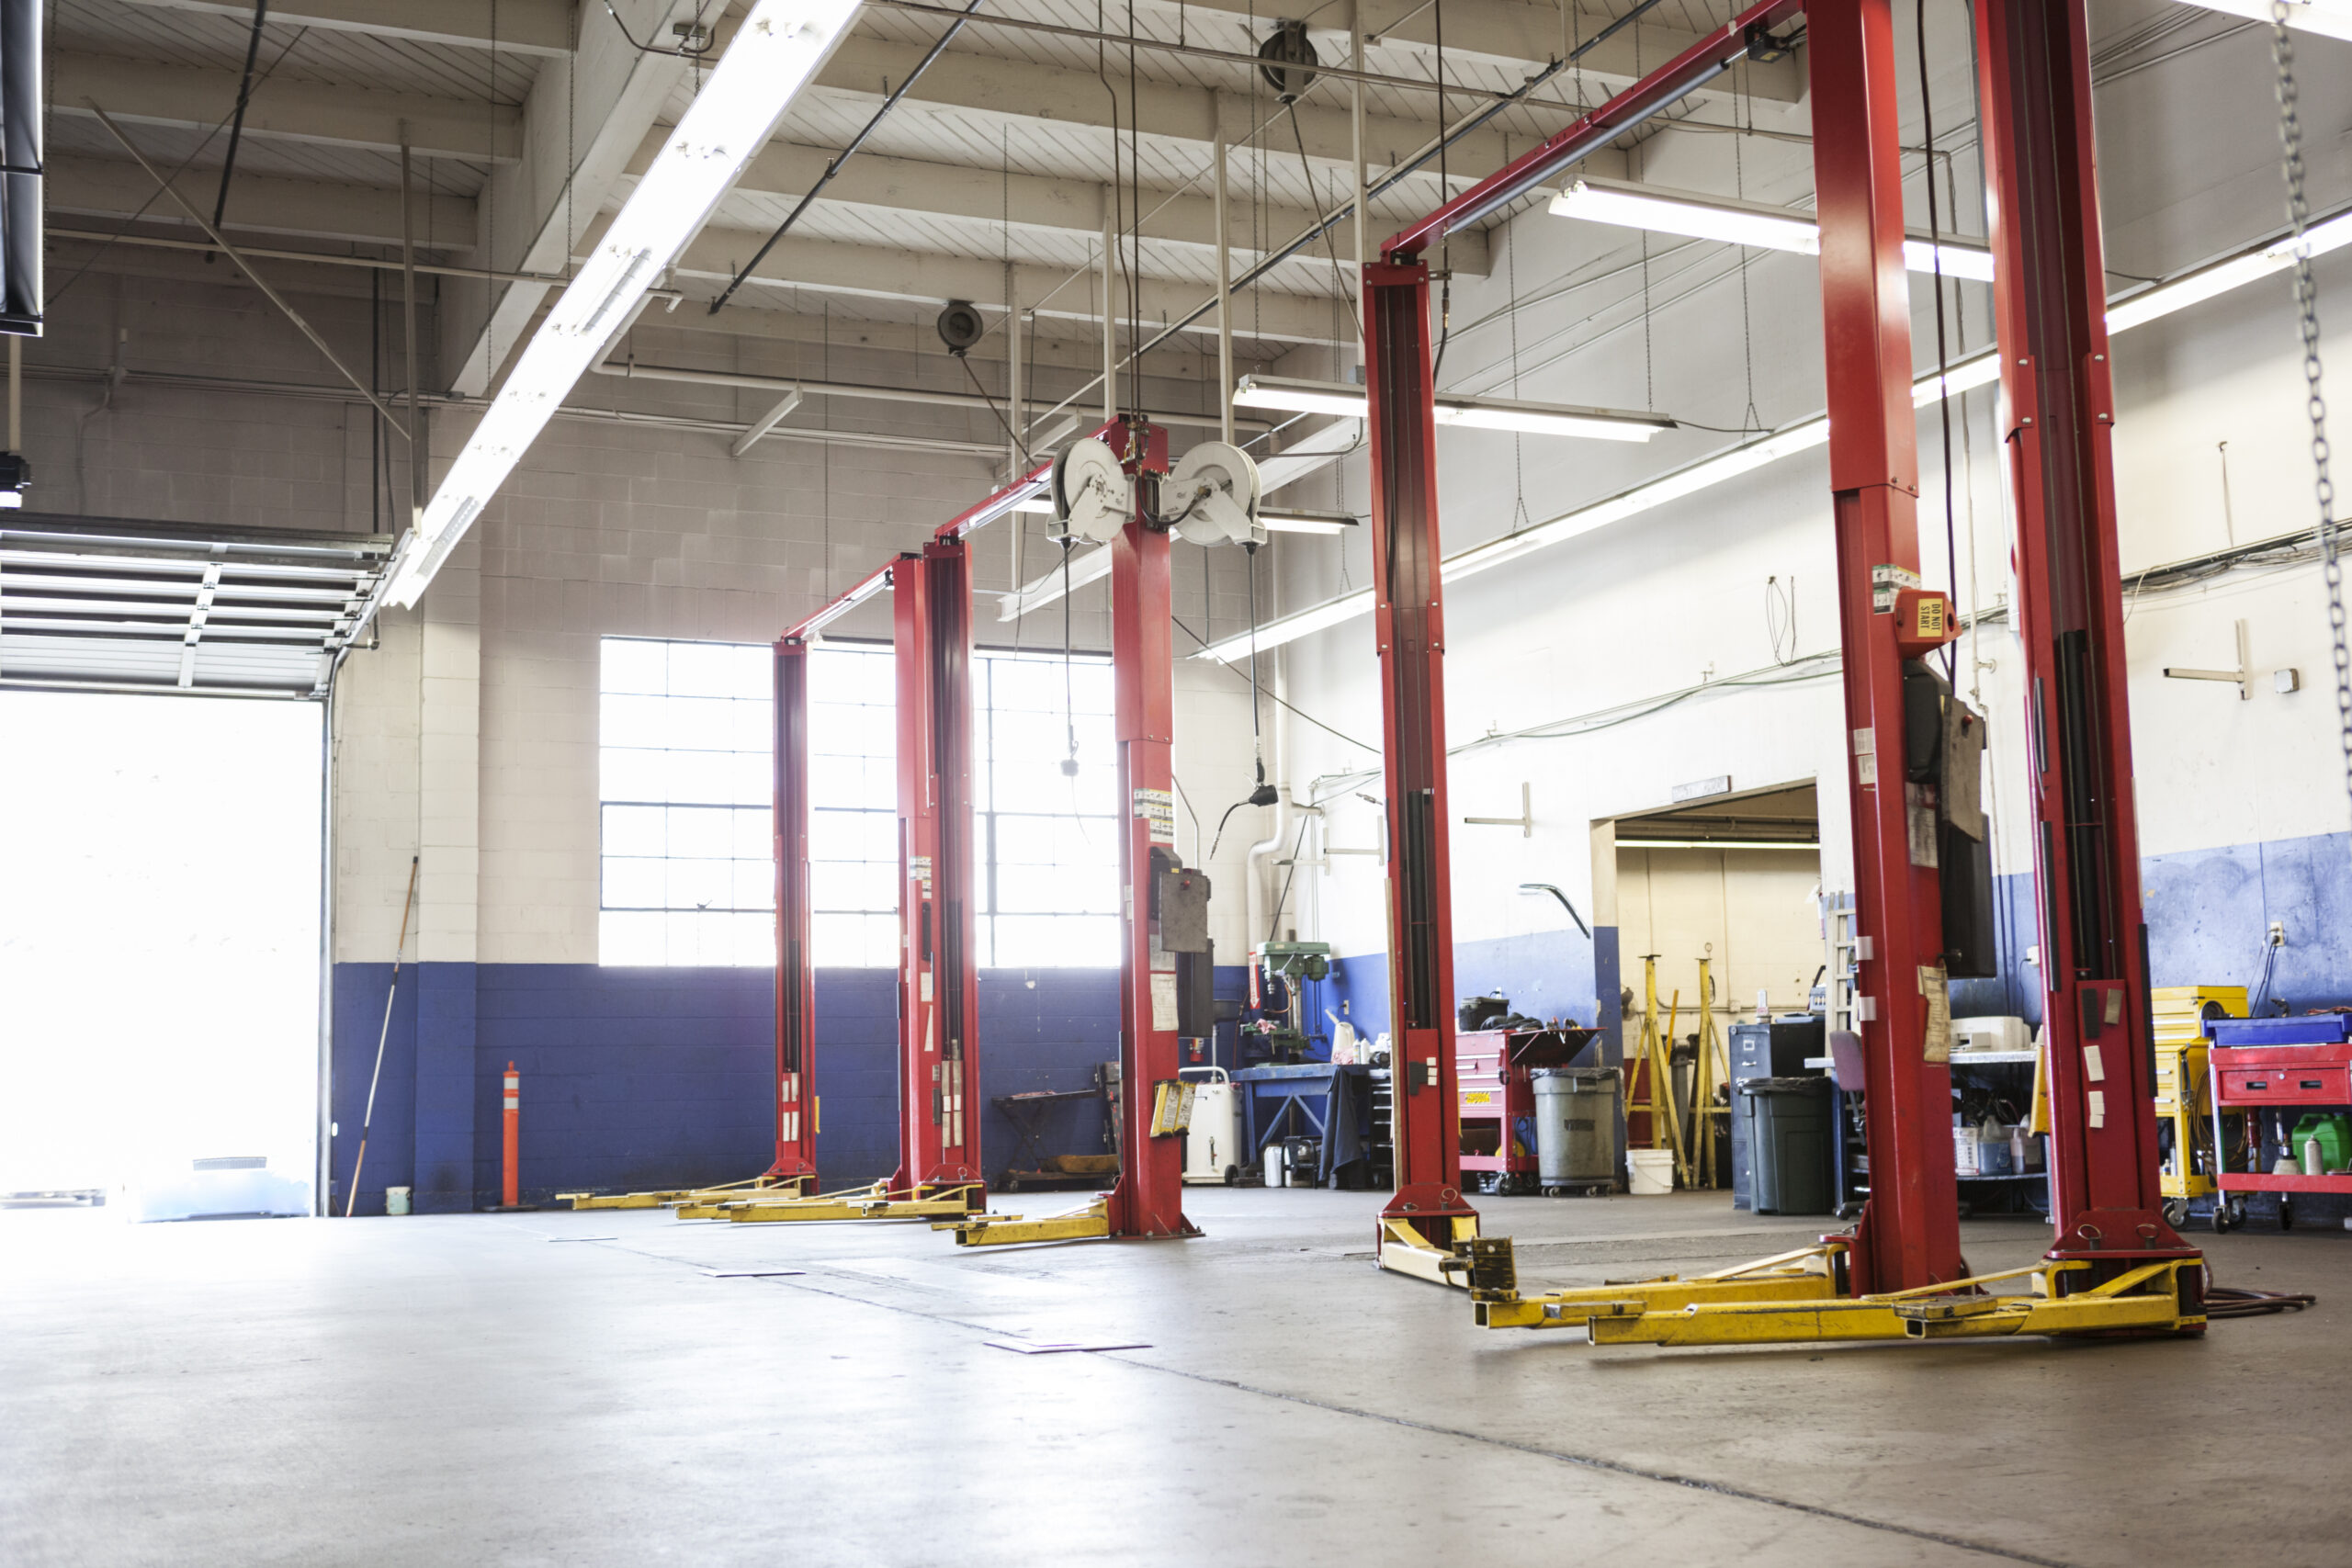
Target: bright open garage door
(160, 947)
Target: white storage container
(1651, 1172)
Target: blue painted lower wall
(636, 1078)
(2206, 910)
(659, 1077)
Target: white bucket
(1653, 1172)
(1274, 1166)
(396, 1199)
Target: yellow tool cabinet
(2184, 1095)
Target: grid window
(688, 874)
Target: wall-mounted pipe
(1257, 886)
(631, 370)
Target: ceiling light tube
(1291, 520)
(1732, 221)
(1808, 846)
(1300, 397)
(1549, 419)
(1477, 413)
(780, 46)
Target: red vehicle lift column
(2051, 313)
(795, 989)
(1148, 1200)
(1411, 626)
(938, 1099)
(1909, 1235)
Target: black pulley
(1287, 61)
(960, 326)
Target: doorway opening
(1717, 905)
(160, 924)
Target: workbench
(1328, 1101)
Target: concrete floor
(458, 1390)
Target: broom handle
(352, 1199)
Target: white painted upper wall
(1636, 615)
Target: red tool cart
(2261, 1068)
(1494, 1070)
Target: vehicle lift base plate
(1793, 1298)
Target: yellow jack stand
(1088, 1224)
(875, 1203)
(1405, 1250)
(1792, 1299)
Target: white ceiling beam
(1508, 32)
(524, 27)
(1168, 112)
(874, 272)
(905, 185)
(264, 204)
(539, 206)
(138, 92)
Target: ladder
(1699, 1166)
(1651, 1066)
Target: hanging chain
(2291, 136)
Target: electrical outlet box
(2278, 933)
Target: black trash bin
(1790, 1126)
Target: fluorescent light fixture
(1300, 397)
(845, 605)
(2333, 20)
(1477, 413)
(1037, 504)
(1290, 520)
(2233, 272)
(1808, 848)
(1735, 222)
(1980, 369)
(781, 45)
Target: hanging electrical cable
(833, 165)
(1943, 352)
(1070, 707)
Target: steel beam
(1149, 1197)
(264, 204)
(2058, 408)
(796, 989)
(287, 108)
(939, 1095)
(1910, 1230)
(518, 26)
(1411, 637)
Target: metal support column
(1149, 1197)
(1410, 628)
(795, 991)
(1909, 1235)
(938, 1099)
(2057, 424)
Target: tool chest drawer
(2284, 1076)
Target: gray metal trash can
(1576, 1125)
(1789, 1125)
